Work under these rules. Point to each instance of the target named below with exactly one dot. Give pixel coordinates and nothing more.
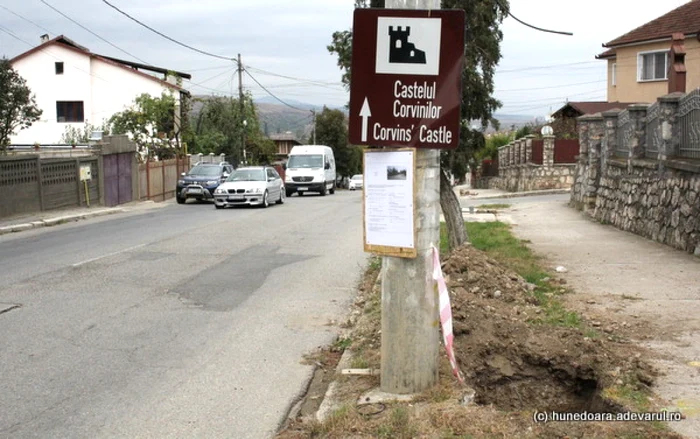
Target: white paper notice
(388, 196)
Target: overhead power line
(93, 33)
(27, 20)
(531, 26)
(270, 93)
(47, 52)
(549, 87)
(203, 52)
(549, 66)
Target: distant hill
(277, 118)
(517, 120)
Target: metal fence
(653, 137)
(537, 156)
(625, 130)
(689, 117)
(566, 150)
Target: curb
(57, 220)
(329, 404)
(518, 194)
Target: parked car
(356, 182)
(253, 186)
(201, 181)
(310, 168)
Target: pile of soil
(514, 364)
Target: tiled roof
(592, 107)
(610, 53)
(284, 136)
(128, 65)
(685, 19)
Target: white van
(310, 168)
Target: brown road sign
(406, 85)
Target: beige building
(641, 62)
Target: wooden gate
(117, 178)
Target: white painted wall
(104, 88)
(114, 89)
(38, 70)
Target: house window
(69, 111)
(613, 74)
(59, 68)
(652, 66)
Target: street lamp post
(245, 156)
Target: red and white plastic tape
(445, 314)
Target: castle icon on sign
(401, 50)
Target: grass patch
(630, 393)
(375, 263)
(359, 362)
(399, 425)
(497, 240)
(341, 344)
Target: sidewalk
(649, 289)
(20, 223)
(467, 193)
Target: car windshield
(247, 175)
(305, 161)
(205, 170)
(356, 177)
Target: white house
(74, 86)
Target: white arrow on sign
(365, 113)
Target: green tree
(152, 124)
(483, 39)
(523, 131)
(18, 109)
(73, 135)
(219, 129)
(493, 142)
(332, 130)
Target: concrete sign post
(406, 92)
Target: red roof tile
(610, 53)
(127, 65)
(592, 107)
(684, 19)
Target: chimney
(677, 70)
(44, 38)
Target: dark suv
(202, 180)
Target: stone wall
(530, 177)
(519, 170)
(634, 176)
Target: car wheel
(288, 193)
(324, 190)
(283, 194)
(219, 207)
(332, 191)
(265, 202)
(180, 200)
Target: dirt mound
(470, 269)
(513, 362)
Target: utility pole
(242, 105)
(410, 320)
(314, 129)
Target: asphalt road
(183, 321)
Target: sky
(282, 44)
